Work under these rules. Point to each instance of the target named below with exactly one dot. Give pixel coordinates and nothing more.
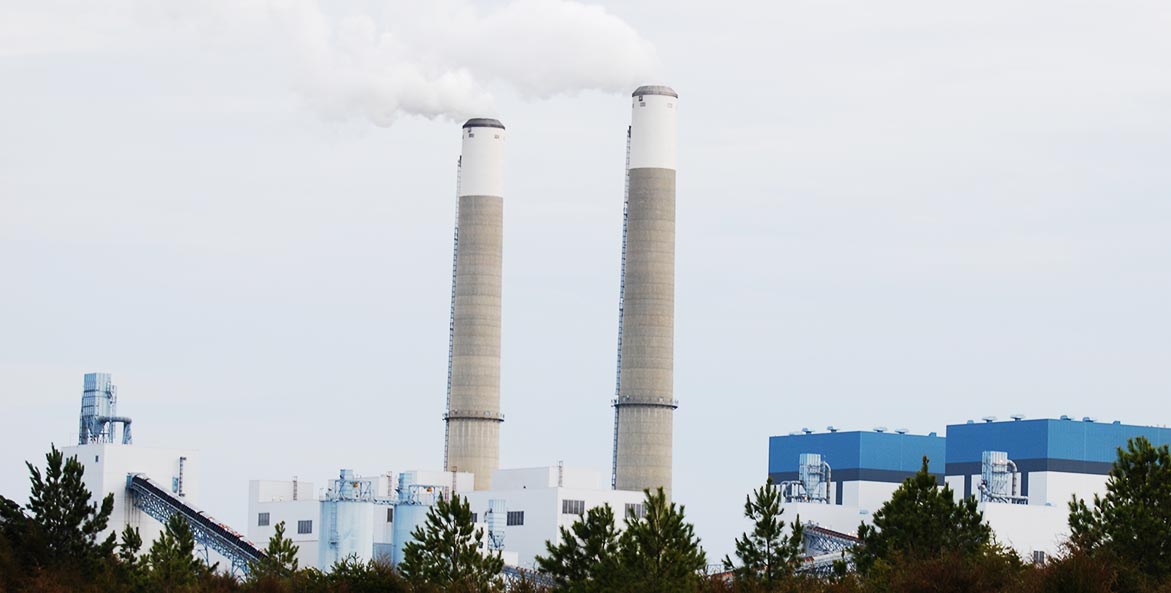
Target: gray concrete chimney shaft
(473, 415)
(645, 404)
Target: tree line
(921, 540)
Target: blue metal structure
(160, 504)
(99, 411)
(856, 456)
(1042, 445)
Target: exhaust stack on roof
(644, 403)
(473, 418)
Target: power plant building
(1023, 473)
(644, 404)
(360, 517)
(857, 468)
(1053, 459)
(292, 502)
(528, 507)
(473, 417)
(148, 484)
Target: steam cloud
(436, 59)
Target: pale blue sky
(904, 215)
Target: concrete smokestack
(473, 415)
(645, 402)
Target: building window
(262, 519)
(475, 517)
(305, 526)
(515, 518)
(390, 515)
(573, 507)
(635, 509)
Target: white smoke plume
(436, 59)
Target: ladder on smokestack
(621, 308)
(451, 315)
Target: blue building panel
(1045, 445)
(856, 455)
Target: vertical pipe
(645, 403)
(473, 416)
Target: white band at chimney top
(482, 168)
(652, 132)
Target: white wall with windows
(539, 501)
(293, 502)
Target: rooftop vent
(806, 430)
(901, 430)
(989, 419)
(1065, 417)
(1089, 419)
(932, 434)
(879, 429)
(831, 428)
(1017, 417)
(970, 421)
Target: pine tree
(585, 559)
(172, 558)
(280, 557)
(62, 525)
(1132, 522)
(130, 545)
(446, 551)
(660, 552)
(923, 521)
(766, 554)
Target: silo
(644, 403)
(473, 417)
(410, 510)
(347, 521)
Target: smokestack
(644, 404)
(473, 418)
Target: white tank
(347, 529)
(347, 521)
(414, 502)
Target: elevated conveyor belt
(160, 503)
(826, 548)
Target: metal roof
(483, 122)
(655, 89)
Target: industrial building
(519, 509)
(359, 517)
(292, 502)
(371, 517)
(855, 468)
(1023, 472)
(149, 484)
(533, 504)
